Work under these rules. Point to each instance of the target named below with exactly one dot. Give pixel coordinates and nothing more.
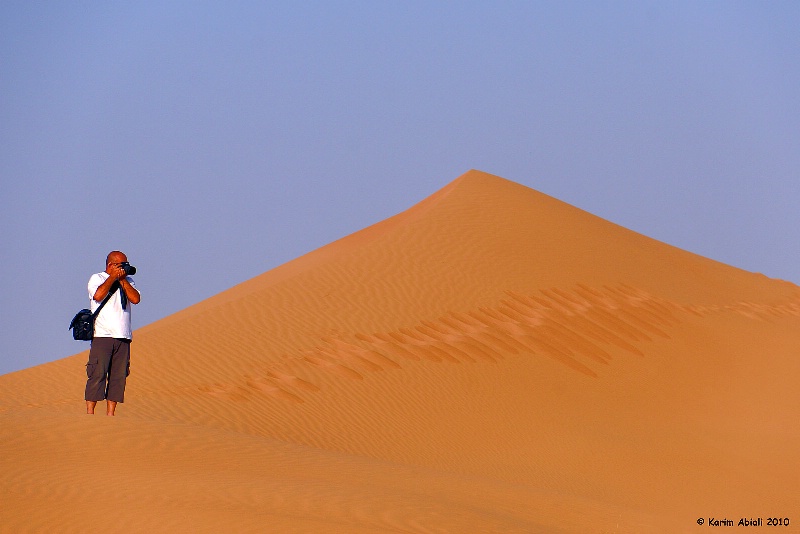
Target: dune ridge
(490, 360)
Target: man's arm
(117, 275)
(104, 288)
(130, 291)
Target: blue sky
(213, 141)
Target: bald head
(115, 256)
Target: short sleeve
(94, 282)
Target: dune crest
(490, 360)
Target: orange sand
(491, 360)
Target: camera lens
(128, 268)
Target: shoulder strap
(108, 296)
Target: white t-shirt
(112, 321)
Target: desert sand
(490, 360)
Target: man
(109, 356)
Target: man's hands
(121, 277)
(116, 272)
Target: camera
(128, 268)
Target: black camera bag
(82, 324)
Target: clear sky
(213, 141)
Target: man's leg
(96, 371)
(117, 374)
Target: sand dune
(490, 360)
